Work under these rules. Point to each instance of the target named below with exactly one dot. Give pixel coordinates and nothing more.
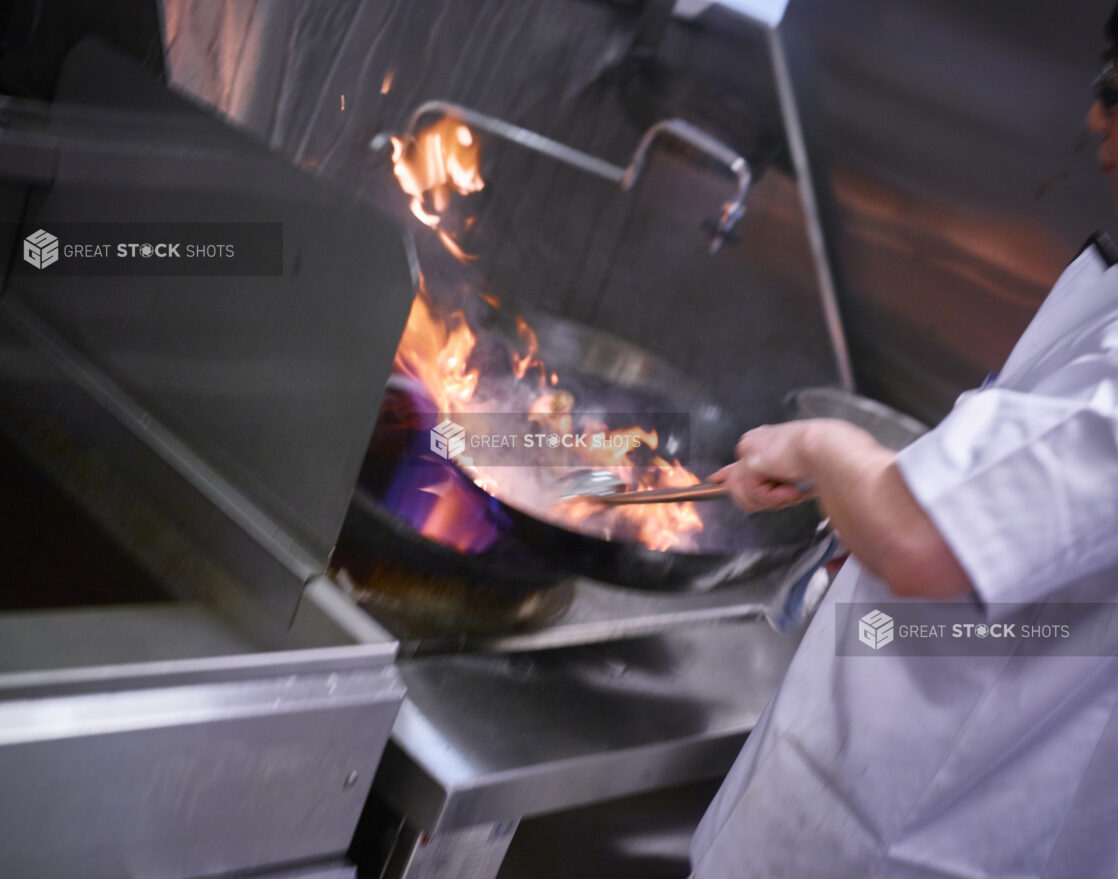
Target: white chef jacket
(951, 766)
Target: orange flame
(435, 351)
(521, 363)
(443, 159)
(657, 526)
(449, 519)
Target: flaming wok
(418, 508)
(466, 368)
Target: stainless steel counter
(602, 613)
(485, 740)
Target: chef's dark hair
(1112, 28)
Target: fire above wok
(519, 525)
(615, 407)
(464, 363)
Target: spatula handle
(704, 491)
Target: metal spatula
(704, 491)
(606, 487)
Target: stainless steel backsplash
(947, 147)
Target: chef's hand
(858, 486)
(770, 472)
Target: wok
(529, 551)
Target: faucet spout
(732, 211)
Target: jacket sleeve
(1024, 486)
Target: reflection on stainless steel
(184, 706)
(149, 781)
(732, 210)
(246, 691)
(949, 208)
(492, 738)
(224, 395)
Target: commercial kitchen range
(191, 684)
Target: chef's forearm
(858, 486)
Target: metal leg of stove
(468, 853)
